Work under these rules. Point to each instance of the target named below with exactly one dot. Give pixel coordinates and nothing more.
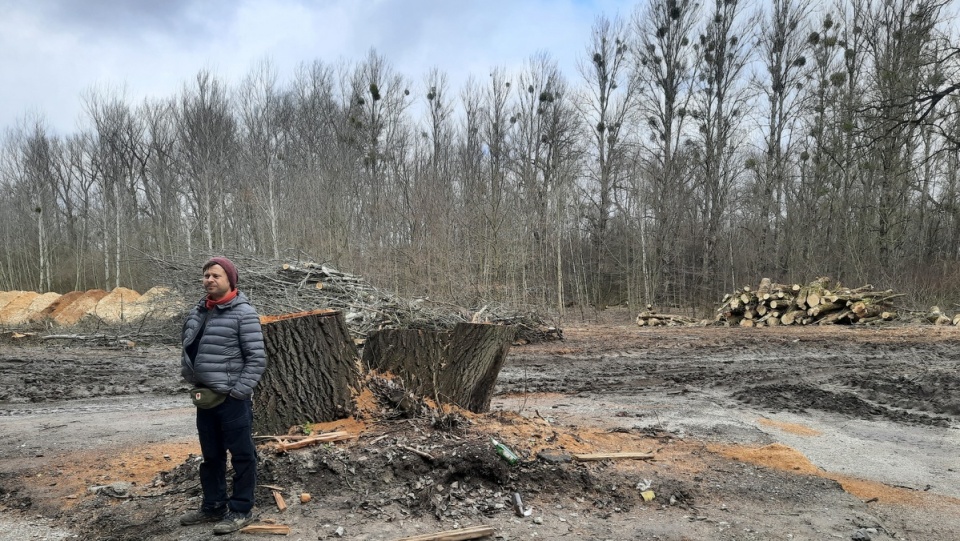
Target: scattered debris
(518, 508)
(120, 490)
(505, 452)
(475, 532)
(278, 498)
(417, 452)
(311, 440)
(589, 457)
(271, 529)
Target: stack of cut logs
(821, 302)
(652, 318)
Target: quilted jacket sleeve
(188, 335)
(252, 351)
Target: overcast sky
(54, 51)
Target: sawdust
(776, 456)
(791, 428)
(58, 306)
(114, 307)
(69, 478)
(157, 302)
(12, 313)
(35, 312)
(883, 493)
(119, 306)
(782, 457)
(6, 297)
(352, 425)
(74, 312)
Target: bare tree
(118, 159)
(259, 104)
(783, 46)
(378, 100)
(897, 35)
(720, 109)
(546, 160)
(161, 187)
(606, 107)
(665, 62)
(207, 143)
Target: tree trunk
(416, 356)
(458, 367)
(312, 372)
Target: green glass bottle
(505, 452)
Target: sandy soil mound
(12, 313)
(74, 312)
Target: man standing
(223, 357)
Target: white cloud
(51, 56)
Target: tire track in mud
(910, 382)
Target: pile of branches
(819, 302)
(278, 288)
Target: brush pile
(277, 288)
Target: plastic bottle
(505, 452)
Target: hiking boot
(201, 516)
(232, 522)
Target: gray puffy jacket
(230, 355)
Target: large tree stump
(457, 367)
(416, 356)
(312, 375)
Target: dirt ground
(755, 434)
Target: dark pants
(227, 427)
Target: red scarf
(226, 298)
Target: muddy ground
(772, 433)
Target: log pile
(276, 287)
(820, 302)
(652, 318)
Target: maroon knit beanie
(228, 267)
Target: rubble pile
(397, 468)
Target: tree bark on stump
(416, 356)
(457, 367)
(312, 375)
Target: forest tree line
(697, 148)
